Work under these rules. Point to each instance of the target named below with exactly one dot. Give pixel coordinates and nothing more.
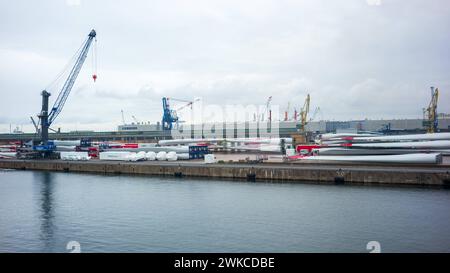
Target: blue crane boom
(46, 118)
(67, 87)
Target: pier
(436, 175)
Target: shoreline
(422, 175)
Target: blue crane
(46, 118)
(170, 116)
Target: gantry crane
(430, 113)
(46, 118)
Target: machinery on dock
(43, 146)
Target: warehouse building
(386, 125)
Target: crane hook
(94, 60)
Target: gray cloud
(358, 59)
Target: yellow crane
(430, 113)
(304, 113)
(300, 137)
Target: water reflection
(46, 207)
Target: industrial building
(152, 132)
(385, 125)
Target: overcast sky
(357, 58)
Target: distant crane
(295, 116)
(304, 113)
(46, 118)
(316, 112)
(268, 109)
(302, 137)
(286, 114)
(123, 117)
(430, 113)
(170, 116)
(267, 112)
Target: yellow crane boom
(304, 112)
(431, 119)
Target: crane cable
(65, 69)
(94, 60)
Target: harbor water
(44, 211)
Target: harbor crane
(123, 117)
(135, 119)
(286, 113)
(267, 112)
(316, 112)
(301, 137)
(46, 118)
(170, 116)
(430, 113)
(304, 113)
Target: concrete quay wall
(407, 175)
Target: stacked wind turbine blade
(416, 158)
(381, 148)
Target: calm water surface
(43, 211)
